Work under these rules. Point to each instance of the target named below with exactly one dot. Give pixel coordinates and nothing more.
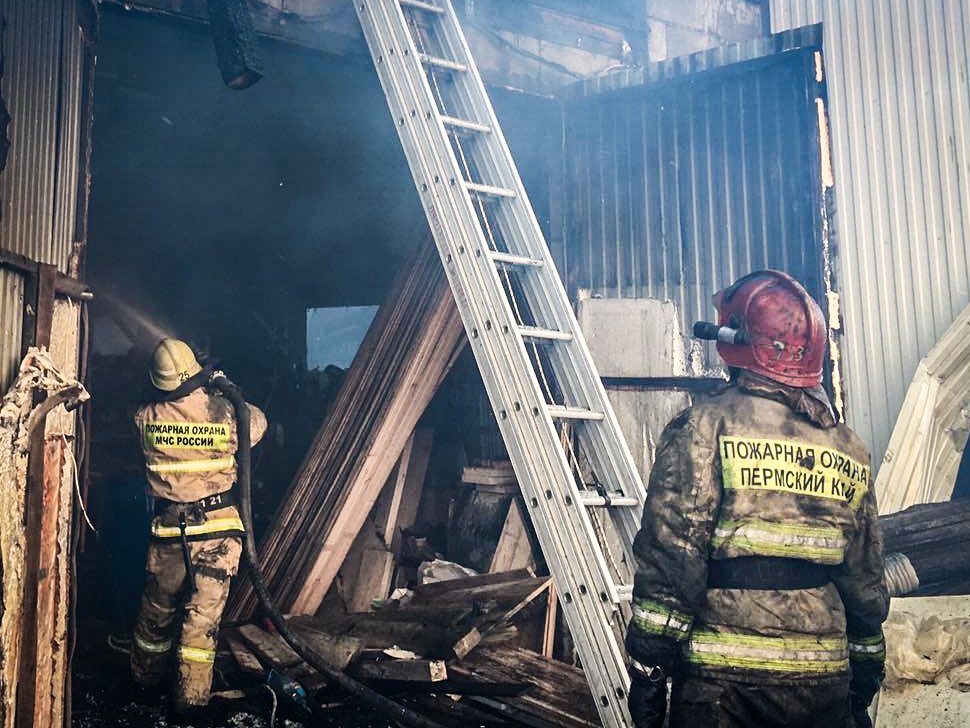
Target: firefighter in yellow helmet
(759, 586)
(188, 437)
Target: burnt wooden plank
(338, 651)
(431, 591)
(273, 650)
(407, 670)
(493, 598)
(247, 661)
(428, 640)
(559, 694)
(448, 615)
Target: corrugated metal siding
(900, 122)
(43, 68)
(11, 324)
(674, 190)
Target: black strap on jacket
(765, 573)
(155, 395)
(209, 503)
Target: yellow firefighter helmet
(173, 363)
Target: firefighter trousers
(701, 701)
(214, 561)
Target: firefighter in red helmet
(759, 586)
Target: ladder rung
(443, 63)
(532, 332)
(426, 7)
(463, 124)
(597, 500)
(510, 259)
(489, 190)
(572, 413)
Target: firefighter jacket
(189, 446)
(760, 471)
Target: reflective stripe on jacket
(743, 474)
(814, 656)
(213, 526)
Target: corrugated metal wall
(43, 68)
(900, 120)
(675, 189)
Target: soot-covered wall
(225, 213)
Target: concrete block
(941, 706)
(634, 337)
(642, 417)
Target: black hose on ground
(375, 700)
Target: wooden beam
(338, 651)
(368, 569)
(549, 629)
(427, 592)
(408, 487)
(444, 616)
(514, 548)
(373, 578)
(43, 481)
(31, 269)
(428, 639)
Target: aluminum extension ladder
(563, 439)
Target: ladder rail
(549, 298)
(562, 528)
(581, 384)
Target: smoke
(142, 330)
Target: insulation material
(19, 417)
(430, 572)
(927, 650)
(927, 443)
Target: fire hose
(384, 705)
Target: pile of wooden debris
(458, 649)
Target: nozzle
(725, 334)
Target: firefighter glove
(654, 659)
(648, 696)
(866, 680)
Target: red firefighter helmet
(782, 327)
